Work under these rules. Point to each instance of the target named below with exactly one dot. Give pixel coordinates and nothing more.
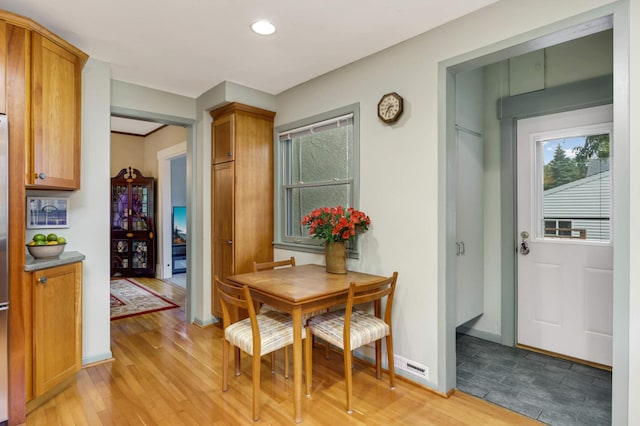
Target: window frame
(305, 243)
(538, 217)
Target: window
(574, 179)
(316, 166)
(558, 228)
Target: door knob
(524, 246)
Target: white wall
(90, 211)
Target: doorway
(152, 151)
(172, 206)
(597, 91)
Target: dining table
(299, 290)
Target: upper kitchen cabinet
(3, 67)
(56, 94)
(43, 91)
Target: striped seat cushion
(276, 331)
(365, 328)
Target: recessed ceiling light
(263, 27)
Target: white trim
(163, 269)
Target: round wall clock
(390, 107)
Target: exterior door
(565, 260)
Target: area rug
(130, 298)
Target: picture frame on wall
(47, 212)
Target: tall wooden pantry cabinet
(241, 191)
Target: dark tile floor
(551, 390)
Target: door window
(574, 185)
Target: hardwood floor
(168, 372)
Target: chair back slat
(238, 298)
(373, 291)
(272, 265)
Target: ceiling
(130, 126)
(190, 46)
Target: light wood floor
(168, 372)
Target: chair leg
(225, 365)
(308, 362)
(273, 362)
(286, 362)
(255, 379)
(348, 378)
(390, 362)
(326, 349)
(237, 355)
(378, 359)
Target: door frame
(614, 15)
(191, 145)
(573, 96)
(164, 202)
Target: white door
(565, 266)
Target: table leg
(297, 364)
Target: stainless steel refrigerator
(4, 273)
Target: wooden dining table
(299, 290)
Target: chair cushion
(365, 328)
(276, 331)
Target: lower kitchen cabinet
(57, 325)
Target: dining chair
(351, 328)
(267, 266)
(291, 262)
(257, 335)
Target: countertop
(32, 264)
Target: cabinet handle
(41, 176)
(229, 154)
(229, 242)
(42, 280)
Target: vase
(336, 257)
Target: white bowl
(46, 252)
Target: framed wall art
(47, 212)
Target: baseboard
(205, 323)
(97, 358)
(484, 335)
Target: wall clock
(390, 107)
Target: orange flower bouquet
(335, 224)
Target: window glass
(576, 193)
(316, 166)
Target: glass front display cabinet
(133, 244)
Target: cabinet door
(56, 98)
(57, 328)
(222, 133)
(222, 227)
(3, 67)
